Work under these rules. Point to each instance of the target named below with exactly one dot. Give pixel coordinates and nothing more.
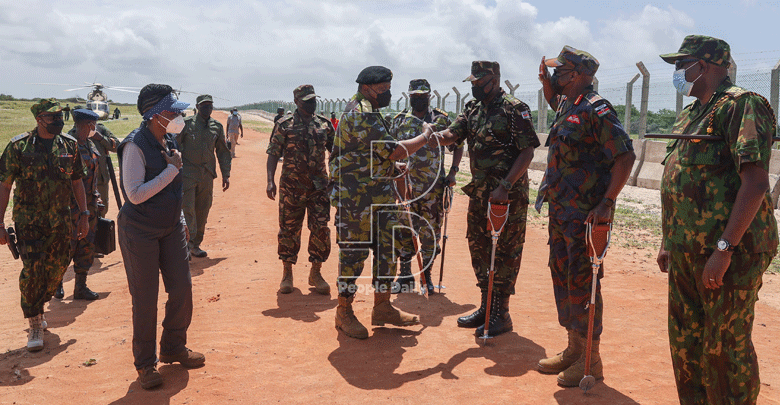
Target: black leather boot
(405, 281)
(475, 318)
(81, 291)
(500, 321)
(428, 281)
(60, 293)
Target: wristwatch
(454, 169)
(724, 246)
(608, 202)
(507, 185)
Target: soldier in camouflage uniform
(47, 169)
(362, 169)
(105, 142)
(501, 141)
(589, 161)
(200, 139)
(719, 229)
(303, 139)
(428, 178)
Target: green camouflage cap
(419, 86)
(482, 68)
(45, 105)
(708, 49)
(583, 62)
(203, 98)
(304, 92)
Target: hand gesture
(174, 158)
(225, 184)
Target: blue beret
(82, 114)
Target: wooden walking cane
(446, 205)
(597, 237)
(404, 201)
(497, 216)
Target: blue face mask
(683, 86)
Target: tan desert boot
(316, 280)
(571, 376)
(346, 320)
(384, 312)
(564, 359)
(286, 286)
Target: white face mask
(91, 133)
(175, 125)
(683, 86)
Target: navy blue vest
(163, 210)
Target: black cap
(374, 75)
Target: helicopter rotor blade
(127, 91)
(77, 88)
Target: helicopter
(96, 98)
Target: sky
(250, 51)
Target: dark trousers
(148, 252)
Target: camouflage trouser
(426, 213)
(356, 236)
(45, 256)
(198, 195)
(572, 277)
(294, 203)
(509, 249)
(710, 330)
(83, 251)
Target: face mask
(419, 104)
(478, 92)
(309, 106)
(55, 127)
(683, 86)
(175, 125)
(555, 82)
(383, 99)
(91, 133)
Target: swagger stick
(497, 217)
(447, 205)
(597, 238)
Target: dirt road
(262, 347)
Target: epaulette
(512, 99)
(285, 119)
(440, 111)
(736, 91)
(525, 111)
(21, 136)
(68, 137)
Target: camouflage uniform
(41, 211)
(427, 175)
(303, 184)
(361, 175)
(710, 329)
(198, 142)
(83, 250)
(104, 142)
(585, 139)
(496, 133)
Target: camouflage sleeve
(108, 141)
(79, 168)
(523, 129)
(223, 153)
(609, 131)
(276, 144)
(460, 127)
(749, 125)
(9, 164)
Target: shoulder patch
(21, 136)
(573, 119)
(525, 114)
(441, 112)
(602, 109)
(594, 97)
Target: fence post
(645, 97)
(398, 104)
(511, 88)
(541, 112)
(774, 90)
(463, 101)
(406, 97)
(444, 102)
(733, 70)
(438, 98)
(595, 84)
(457, 100)
(629, 104)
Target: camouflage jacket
(585, 138)
(105, 142)
(496, 133)
(701, 178)
(360, 169)
(303, 146)
(199, 140)
(90, 157)
(43, 178)
(426, 166)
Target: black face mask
(419, 104)
(55, 127)
(309, 106)
(383, 99)
(479, 92)
(556, 84)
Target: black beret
(374, 75)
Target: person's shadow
(65, 311)
(19, 361)
(300, 307)
(513, 355)
(175, 379)
(199, 264)
(599, 394)
(370, 364)
(432, 309)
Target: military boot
(346, 320)
(428, 281)
(286, 286)
(476, 318)
(35, 336)
(81, 291)
(564, 359)
(316, 280)
(60, 292)
(405, 281)
(571, 376)
(500, 321)
(384, 312)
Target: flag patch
(602, 110)
(525, 114)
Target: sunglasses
(678, 64)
